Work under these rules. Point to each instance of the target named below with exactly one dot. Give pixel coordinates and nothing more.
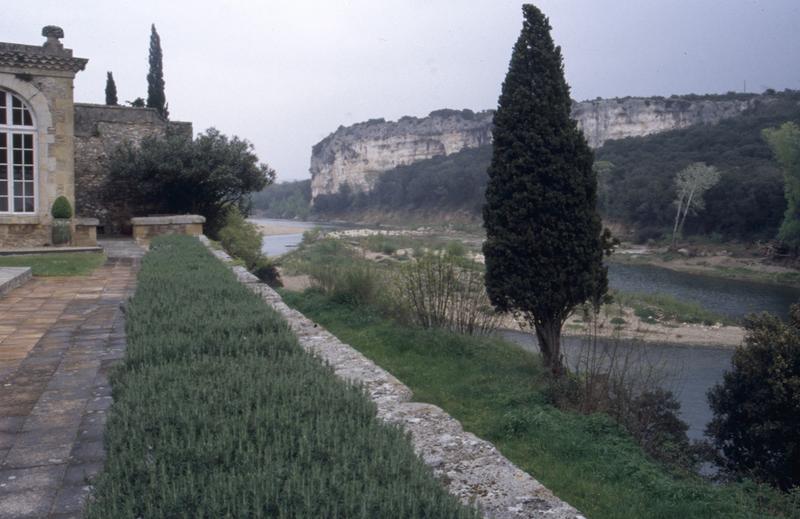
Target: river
(689, 370)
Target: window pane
(27, 140)
(16, 102)
(4, 203)
(4, 188)
(16, 117)
(2, 99)
(2, 110)
(17, 172)
(3, 173)
(3, 155)
(29, 189)
(29, 205)
(18, 188)
(3, 140)
(16, 140)
(17, 156)
(17, 204)
(28, 173)
(28, 157)
(27, 118)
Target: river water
(689, 370)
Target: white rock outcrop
(354, 156)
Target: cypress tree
(111, 90)
(155, 77)
(544, 247)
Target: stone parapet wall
(472, 469)
(84, 232)
(147, 227)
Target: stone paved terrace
(58, 339)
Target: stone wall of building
(99, 130)
(42, 77)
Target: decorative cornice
(39, 58)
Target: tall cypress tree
(155, 77)
(111, 90)
(544, 247)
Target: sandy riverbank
(268, 229)
(711, 263)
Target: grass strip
(56, 263)
(499, 392)
(218, 412)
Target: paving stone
(56, 335)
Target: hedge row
(219, 413)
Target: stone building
(51, 146)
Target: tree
(177, 175)
(111, 90)
(691, 183)
(136, 103)
(756, 423)
(785, 144)
(156, 98)
(544, 247)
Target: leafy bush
(756, 408)
(241, 238)
(62, 208)
(178, 175)
(219, 413)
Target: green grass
(56, 263)
(498, 391)
(658, 308)
(218, 412)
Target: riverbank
(710, 261)
(626, 325)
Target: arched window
(17, 156)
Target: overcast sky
(284, 74)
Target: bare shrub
(441, 292)
(627, 380)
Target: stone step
(12, 277)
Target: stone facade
(72, 142)
(42, 77)
(99, 130)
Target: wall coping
(168, 220)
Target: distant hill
(636, 189)
(748, 202)
(284, 200)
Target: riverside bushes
(219, 413)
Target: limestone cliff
(354, 156)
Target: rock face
(607, 119)
(354, 156)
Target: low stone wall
(18, 235)
(147, 227)
(472, 469)
(84, 232)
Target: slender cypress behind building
(544, 247)
(111, 90)
(156, 98)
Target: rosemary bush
(219, 413)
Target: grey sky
(284, 74)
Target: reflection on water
(731, 298)
(278, 244)
(689, 371)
